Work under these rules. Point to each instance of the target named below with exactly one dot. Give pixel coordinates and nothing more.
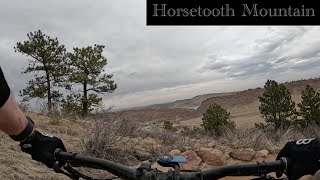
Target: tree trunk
(49, 93)
(84, 100)
(281, 122)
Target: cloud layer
(153, 64)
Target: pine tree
(309, 107)
(215, 117)
(87, 67)
(70, 105)
(276, 106)
(47, 58)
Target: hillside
(242, 105)
(192, 103)
(151, 115)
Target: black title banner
(233, 12)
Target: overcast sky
(155, 64)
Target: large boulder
(193, 160)
(142, 155)
(212, 157)
(211, 144)
(243, 154)
(262, 153)
(227, 152)
(161, 168)
(175, 152)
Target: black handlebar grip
(56, 154)
(60, 155)
(286, 161)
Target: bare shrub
(127, 128)
(70, 116)
(266, 138)
(313, 130)
(249, 138)
(166, 137)
(109, 140)
(70, 130)
(23, 106)
(280, 137)
(196, 132)
(185, 142)
(43, 107)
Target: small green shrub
(215, 117)
(168, 125)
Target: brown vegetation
(134, 136)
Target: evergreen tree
(87, 67)
(70, 105)
(309, 107)
(215, 117)
(47, 63)
(276, 106)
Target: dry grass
(16, 165)
(110, 140)
(117, 141)
(249, 138)
(255, 138)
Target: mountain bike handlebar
(144, 172)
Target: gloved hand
(41, 147)
(304, 155)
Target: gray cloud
(212, 65)
(307, 65)
(270, 54)
(158, 64)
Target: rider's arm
(12, 119)
(21, 128)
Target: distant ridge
(192, 103)
(243, 105)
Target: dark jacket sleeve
(4, 89)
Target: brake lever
(58, 169)
(76, 173)
(73, 174)
(69, 171)
(269, 178)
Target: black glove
(304, 155)
(41, 147)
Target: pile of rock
(211, 156)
